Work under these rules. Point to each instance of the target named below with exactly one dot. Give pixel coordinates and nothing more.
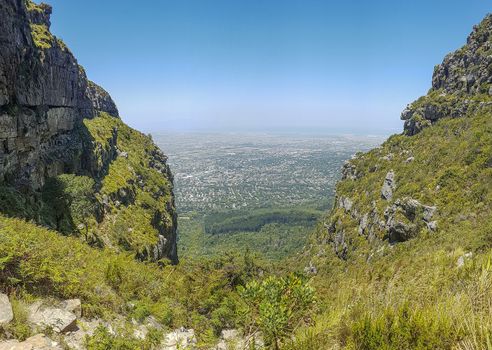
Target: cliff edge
(67, 160)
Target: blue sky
(250, 65)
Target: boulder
(59, 319)
(179, 339)
(429, 213)
(232, 339)
(432, 226)
(6, 313)
(37, 342)
(345, 203)
(311, 269)
(401, 232)
(388, 186)
(406, 217)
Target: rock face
(45, 103)
(406, 217)
(460, 85)
(44, 95)
(6, 314)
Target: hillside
(67, 160)
(403, 258)
(88, 256)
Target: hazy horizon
(347, 66)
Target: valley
(259, 191)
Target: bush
(277, 306)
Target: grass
(139, 191)
(412, 295)
(39, 263)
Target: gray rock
(59, 319)
(388, 157)
(179, 339)
(45, 97)
(349, 171)
(6, 313)
(231, 339)
(401, 232)
(311, 269)
(463, 258)
(461, 262)
(429, 213)
(345, 203)
(432, 226)
(363, 224)
(464, 73)
(37, 342)
(49, 95)
(405, 218)
(74, 306)
(388, 186)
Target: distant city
(231, 171)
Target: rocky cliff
(403, 259)
(461, 84)
(54, 122)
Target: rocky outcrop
(406, 217)
(461, 84)
(231, 339)
(388, 186)
(44, 95)
(179, 339)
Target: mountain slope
(67, 160)
(403, 258)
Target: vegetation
(135, 186)
(41, 36)
(253, 221)
(431, 292)
(276, 306)
(38, 263)
(273, 234)
(133, 189)
(69, 203)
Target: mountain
(403, 258)
(67, 161)
(88, 256)
(88, 225)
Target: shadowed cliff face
(46, 105)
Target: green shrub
(276, 306)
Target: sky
(347, 66)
